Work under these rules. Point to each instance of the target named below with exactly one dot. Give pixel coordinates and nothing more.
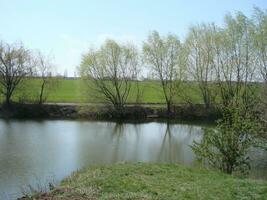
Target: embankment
(153, 181)
(105, 112)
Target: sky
(65, 29)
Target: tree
(259, 37)
(44, 71)
(165, 58)
(226, 147)
(239, 58)
(200, 44)
(112, 69)
(15, 64)
(235, 61)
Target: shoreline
(132, 112)
(152, 181)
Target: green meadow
(77, 90)
(65, 90)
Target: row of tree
(17, 64)
(229, 66)
(224, 62)
(227, 63)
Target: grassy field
(155, 181)
(77, 91)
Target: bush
(226, 147)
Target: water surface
(38, 152)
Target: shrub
(226, 147)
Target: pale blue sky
(67, 28)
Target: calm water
(36, 153)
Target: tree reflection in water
(164, 143)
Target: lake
(38, 152)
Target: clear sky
(67, 28)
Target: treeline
(228, 63)
(224, 61)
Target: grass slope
(76, 91)
(155, 181)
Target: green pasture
(76, 90)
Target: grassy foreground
(155, 181)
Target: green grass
(156, 181)
(64, 90)
(77, 91)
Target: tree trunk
(7, 100)
(41, 93)
(168, 108)
(8, 96)
(119, 108)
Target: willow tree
(43, 69)
(165, 57)
(112, 69)
(259, 36)
(235, 60)
(15, 64)
(200, 44)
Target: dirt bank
(106, 112)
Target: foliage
(200, 45)
(236, 60)
(165, 57)
(111, 69)
(15, 63)
(226, 147)
(259, 38)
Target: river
(38, 152)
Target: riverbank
(154, 181)
(106, 112)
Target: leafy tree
(259, 37)
(15, 64)
(166, 59)
(111, 69)
(235, 60)
(200, 44)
